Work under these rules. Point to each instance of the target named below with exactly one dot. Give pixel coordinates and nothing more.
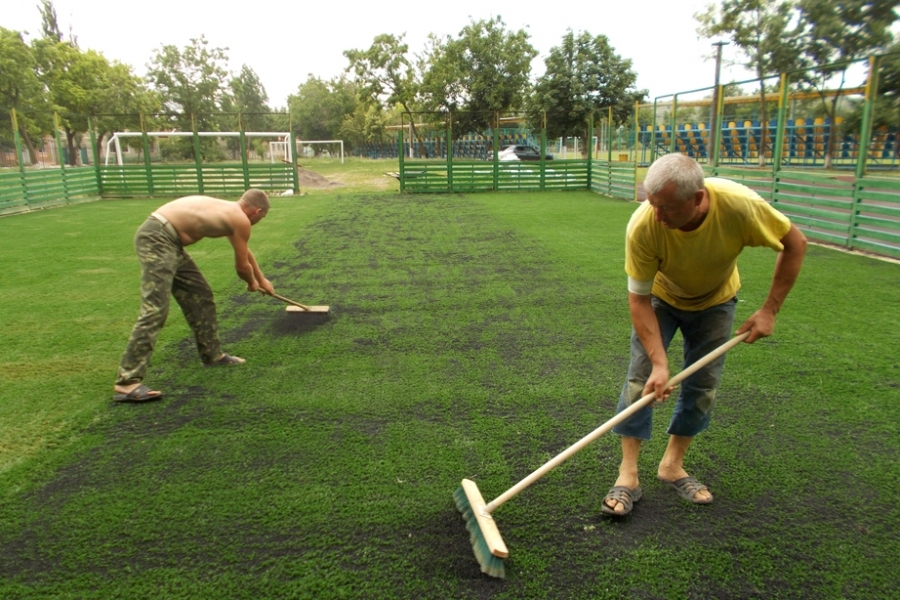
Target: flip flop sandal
(139, 394)
(626, 496)
(687, 488)
(225, 359)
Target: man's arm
(263, 284)
(646, 326)
(787, 267)
(242, 265)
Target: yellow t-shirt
(695, 270)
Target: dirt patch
(291, 323)
(310, 179)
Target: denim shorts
(703, 331)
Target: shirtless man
(166, 267)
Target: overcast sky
(285, 41)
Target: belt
(167, 226)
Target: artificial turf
(470, 336)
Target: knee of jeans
(705, 399)
(633, 391)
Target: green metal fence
(179, 180)
(46, 184)
(614, 179)
(855, 213)
(25, 190)
(875, 219)
(28, 189)
(759, 180)
(485, 176)
(450, 174)
(820, 206)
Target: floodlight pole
(713, 126)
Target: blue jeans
(703, 331)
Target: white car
(508, 153)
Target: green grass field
(470, 336)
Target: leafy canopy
(583, 78)
(484, 70)
(191, 81)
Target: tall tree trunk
(72, 157)
(32, 152)
(423, 151)
(100, 136)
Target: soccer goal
(329, 149)
(114, 145)
(305, 149)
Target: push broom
(297, 307)
(490, 550)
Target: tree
(77, 84)
(385, 77)
(319, 108)
(246, 97)
(20, 89)
(889, 89)
(765, 32)
(191, 82)
(483, 71)
(365, 124)
(839, 33)
(124, 94)
(584, 77)
(49, 22)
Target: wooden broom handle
(288, 300)
(636, 406)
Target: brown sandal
(139, 394)
(687, 488)
(626, 496)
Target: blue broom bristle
(490, 564)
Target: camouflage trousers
(167, 269)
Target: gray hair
(685, 172)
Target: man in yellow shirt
(681, 255)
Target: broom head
(308, 309)
(483, 533)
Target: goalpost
(116, 137)
(279, 149)
(300, 143)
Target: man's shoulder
(732, 196)
(720, 183)
(641, 225)
(640, 212)
(730, 189)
